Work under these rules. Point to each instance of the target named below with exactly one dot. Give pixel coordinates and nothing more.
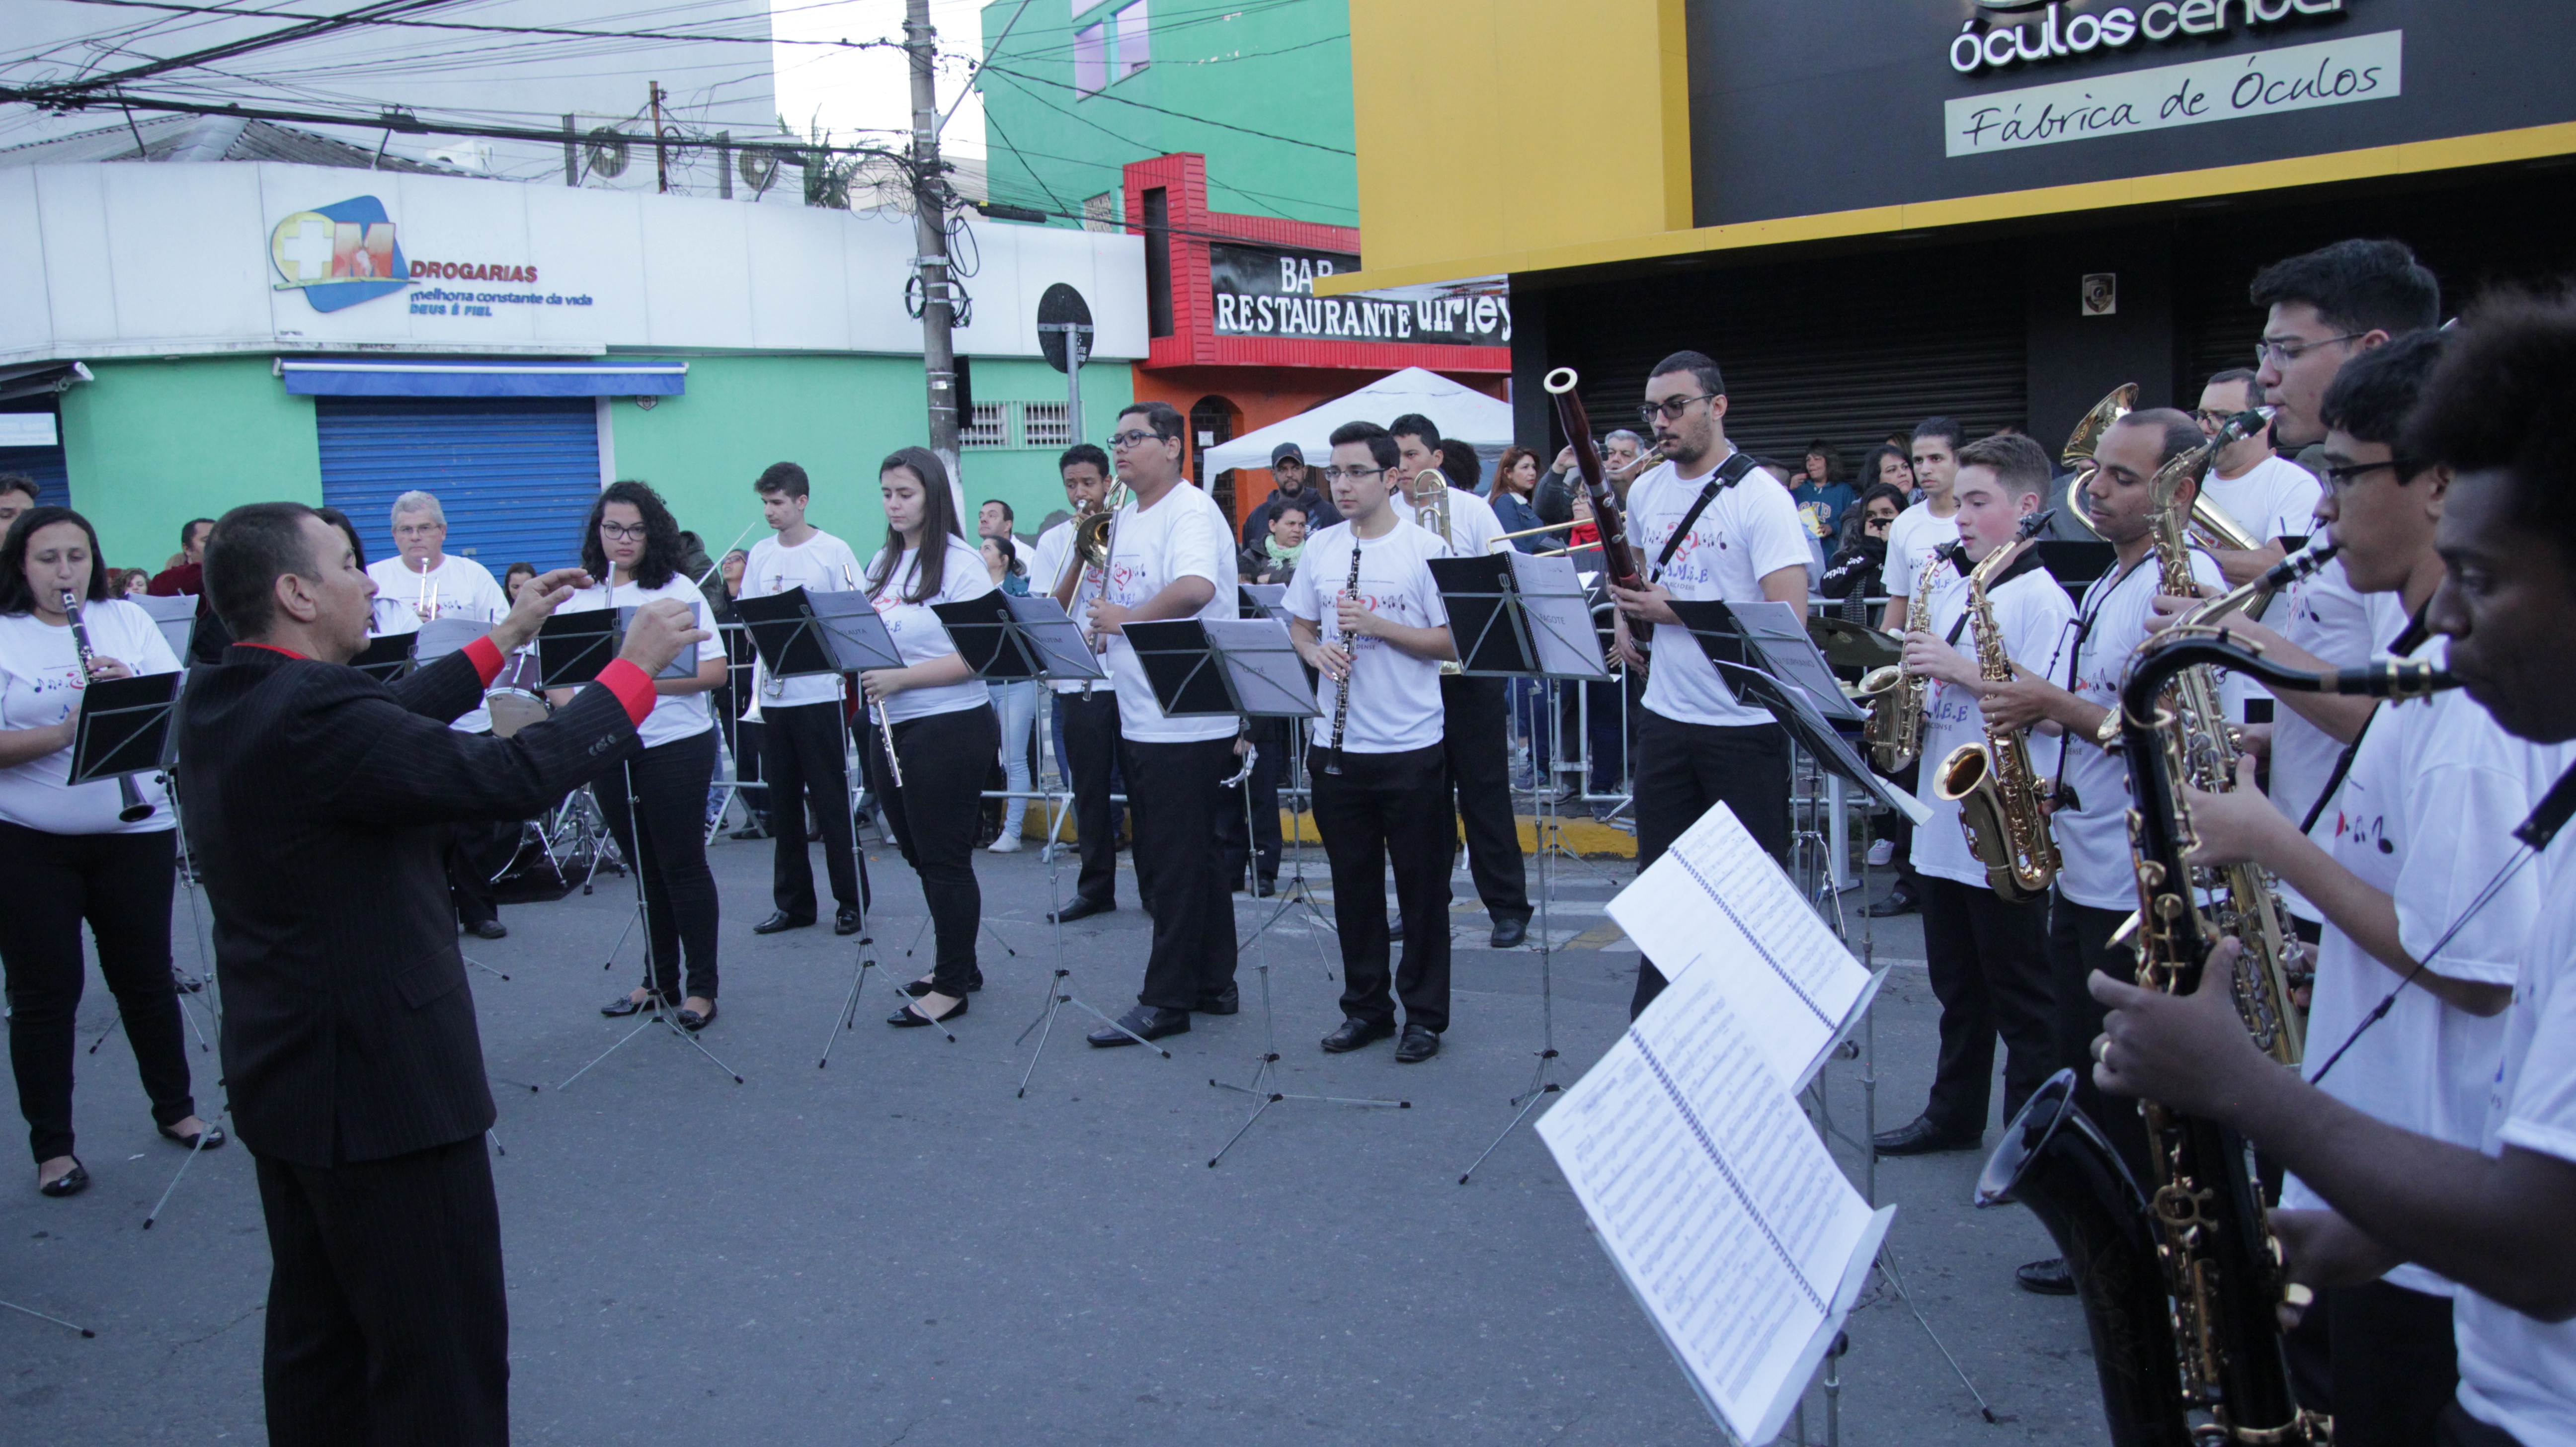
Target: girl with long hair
(939, 720)
(1515, 498)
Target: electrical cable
(989, 68)
(501, 29)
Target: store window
(1090, 59)
(1135, 48)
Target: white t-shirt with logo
(2276, 498)
(820, 564)
(1746, 533)
(1184, 535)
(1911, 540)
(2032, 610)
(456, 588)
(674, 716)
(2426, 816)
(918, 633)
(2093, 841)
(1055, 547)
(2324, 616)
(41, 682)
(1395, 696)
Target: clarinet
(1342, 692)
(885, 730)
(131, 808)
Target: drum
(514, 709)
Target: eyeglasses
(622, 532)
(419, 530)
(1336, 474)
(2272, 349)
(1670, 408)
(1137, 438)
(2351, 472)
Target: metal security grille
(988, 424)
(1045, 424)
(515, 476)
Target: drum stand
(657, 1011)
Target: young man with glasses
(2271, 497)
(1171, 555)
(802, 723)
(1701, 532)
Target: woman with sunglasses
(657, 804)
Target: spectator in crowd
(185, 578)
(1891, 465)
(1015, 703)
(1821, 496)
(1461, 467)
(512, 577)
(17, 494)
(1290, 478)
(1620, 451)
(1856, 572)
(2271, 497)
(996, 520)
(1513, 497)
(1274, 558)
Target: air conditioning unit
(613, 152)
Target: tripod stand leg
(849, 1016)
(487, 969)
(1268, 1100)
(183, 1169)
(611, 962)
(654, 1009)
(1529, 1103)
(56, 1320)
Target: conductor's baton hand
(660, 630)
(537, 600)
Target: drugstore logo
(339, 255)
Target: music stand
(386, 657)
(176, 618)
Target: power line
(990, 67)
(499, 29)
(263, 41)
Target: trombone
(2209, 524)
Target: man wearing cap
(1290, 478)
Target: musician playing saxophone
(1988, 953)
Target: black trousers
(680, 910)
(1384, 805)
(2079, 942)
(1259, 846)
(2396, 1364)
(387, 1324)
(1477, 736)
(1898, 830)
(1686, 769)
(120, 885)
(802, 755)
(1989, 964)
(1088, 732)
(1176, 791)
(935, 815)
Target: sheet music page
(1714, 1196)
(1715, 904)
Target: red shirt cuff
(633, 687)
(486, 657)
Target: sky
(870, 90)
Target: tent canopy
(1462, 414)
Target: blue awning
(483, 377)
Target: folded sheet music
(1716, 902)
(1720, 1206)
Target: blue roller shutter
(515, 476)
(45, 465)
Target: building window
(1090, 59)
(1135, 51)
(1045, 424)
(987, 425)
(1102, 212)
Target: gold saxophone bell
(2118, 403)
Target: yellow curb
(1584, 838)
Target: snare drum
(514, 709)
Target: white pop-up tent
(1462, 414)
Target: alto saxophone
(1997, 791)
(1895, 728)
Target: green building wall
(149, 445)
(1280, 69)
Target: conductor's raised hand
(537, 602)
(659, 631)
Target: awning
(386, 377)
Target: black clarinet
(1342, 694)
(131, 809)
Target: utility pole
(930, 225)
(661, 157)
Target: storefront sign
(2266, 82)
(1265, 292)
(339, 255)
(2058, 35)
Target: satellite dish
(608, 152)
(1059, 308)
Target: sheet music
(1715, 904)
(1720, 1206)
(1560, 616)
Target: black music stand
(1852, 649)
(124, 727)
(386, 657)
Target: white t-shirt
(820, 564)
(2516, 1372)
(40, 683)
(456, 588)
(1473, 527)
(1182, 536)
(2276, 498)
(2032, 610)
(918, 633)
(1395, 697)
(1746, 533)
(674, 716)
(2323, 615)
(2093, 841)
(1911, 540)
(1055, 545)
(2426, 816)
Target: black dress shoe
(1082, 909)
(1350, 1035)
(1900, 900)
(693, 1022)
(69, 1183)
(213, 1134)
(187, 983)
(490, 929)
(2046, 1278)
(625, 1004)
(906, 1017)
(1420, 1043)
(1509, 933)
(782, 920)
(1920, 1137)
(1228, 1001)
(1264, 888)
(1146, 1022)
(749, 832)
(845, 920)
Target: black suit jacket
(317, 802)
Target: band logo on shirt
(2373, 830)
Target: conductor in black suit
(319, 803)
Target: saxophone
(1895, 728)
(1997, 791)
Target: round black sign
(1059, 307)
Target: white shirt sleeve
(1304, 598)
(1198, 546)
(1773, 535)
